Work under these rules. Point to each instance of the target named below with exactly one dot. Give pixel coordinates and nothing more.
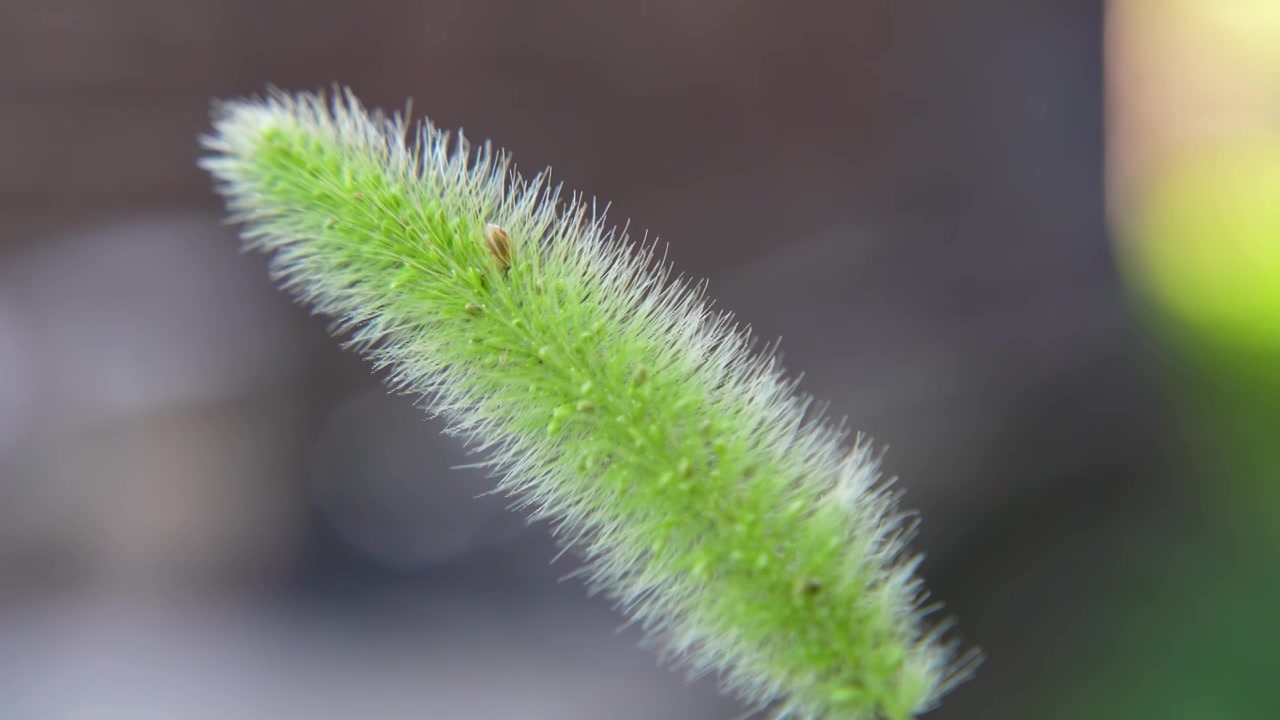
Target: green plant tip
(745, 534)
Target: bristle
(744, 533)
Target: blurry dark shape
(153, 313)
(384, 478)
(17, 382)
(164, 388)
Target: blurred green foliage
(1185, 621)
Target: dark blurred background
(208, 510)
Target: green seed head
(743, 533)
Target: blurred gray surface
(208, 510)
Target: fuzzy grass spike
(709, 502)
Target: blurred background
(1031, 248)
